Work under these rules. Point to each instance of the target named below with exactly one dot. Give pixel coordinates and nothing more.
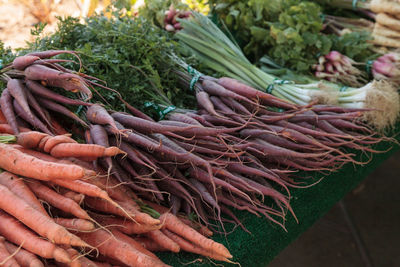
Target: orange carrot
(114, 188)
(6, 128)
(35, 220)
(23, 257)
(161, 239)
(83, 150)
(6, 259)
(13, 160)
(18, 186)
(78, 198)
(83, 187)
(122, 210)
(132, 208)
(136, 245)
(75, 260)
(75, 224)
(108, 246)
(173, 224)
(149, 244)
(56, 140)
(56, 200)
(197, 226)
(30, 139)
(18, 234)
(124, 225)
(189, 247)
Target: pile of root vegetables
(239, 151)
(54, 206)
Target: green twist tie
(368, 66)
(344, 88)
(160, 112)
(1, 64)
(322, 16)
(271, 86)
(79, 109)
(196, 76)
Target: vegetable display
(123, 137)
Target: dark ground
(374, 208)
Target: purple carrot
(99, 115)
(236, 106)
(18, 91)
(6, 101)
(20, 63)
(33, 120)
(221, 121)
(74, 85)
(228, 212)
(249, 92)
(203, 100)
(215, 89)
(175, 203)
(50, 53)
(42, 91)
(61, 109)
(174, 116)
(35, 105)
(168, 126)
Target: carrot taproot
(78, 198)
(43, 114)
(35, 220)
(6, 128)
(83, 187)
(56, 200)
(56, 140)
(61, 109)
(23, 257)
(194, 248)
(197, 226)
(20, 63)
(149, 244)
(136, 245)
(75, 224)
(31, 119)
(6, 103)
(44, 92)
(173, 224)
(249, 92)
(108, 246)
(6, 259)
(124, 225)
(83, 150)
(18, 91)
(203, 100)
(15, 161)
(99, 115)
(75, 258)
(164, 241)
(30, 139)
(17, 233)
(51, 53)
(18, 186)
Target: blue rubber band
(270, 88)
(343, 89)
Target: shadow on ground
(374, 207)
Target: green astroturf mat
(266, 239)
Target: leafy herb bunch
(131, 55)
(287, 31)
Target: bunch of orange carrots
(54, 209)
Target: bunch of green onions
(221, 54)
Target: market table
(267, 239)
